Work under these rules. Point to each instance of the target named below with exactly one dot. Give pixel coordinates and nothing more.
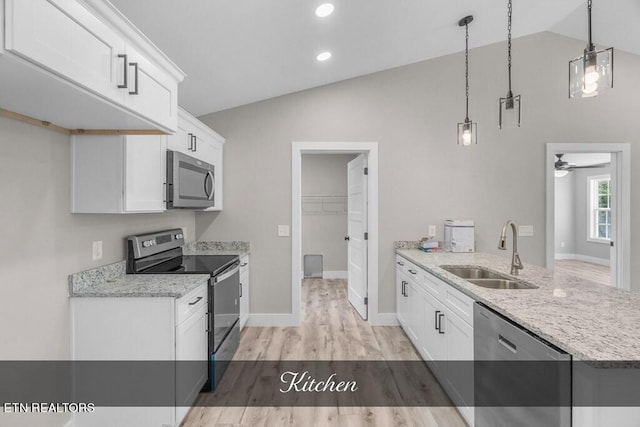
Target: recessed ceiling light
(323, 56)
(324, 10)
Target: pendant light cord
(509, 15)
(589, 5)
(466, 68)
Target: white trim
(334, 274)
(386, 319)
(279, 320)
(299, 148)
(585, 258)
(622, 153)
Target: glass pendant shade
(467, 133)
(591, 74)
(560, 173)
(510, 112)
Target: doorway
(588, 215)
(369, 210)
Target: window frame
(593, 209)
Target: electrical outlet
(525, 231)
(283, 231)
(97, 250)
(432, 231)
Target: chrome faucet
(516, 264)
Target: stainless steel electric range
(161, 253)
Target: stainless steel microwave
(190, 182)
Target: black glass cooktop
(194, 264)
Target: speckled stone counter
(592, 322)
(110, 281)
(217, 248)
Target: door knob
(347, 238)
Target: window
(600, 207)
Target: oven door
(226, 304)
(190, 182)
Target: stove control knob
(147, 243)
(179, 236)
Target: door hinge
(366, 171)
(366, 300)
(366, 236)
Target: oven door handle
(206, 180)
(226, 275)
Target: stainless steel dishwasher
(520, 379)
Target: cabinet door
(244, 291)
(145, 173)
(415, 312)
(151, 92)
(181, 140)
(401, 299)
(191, 355)
(433, 341)
(64, 37)
(459, 376)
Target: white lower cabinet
(438, 319)
(118, 174)
(143, 329)
(244, 291)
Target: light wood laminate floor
(330, 330)
(586, 270)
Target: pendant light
(592, 73)
(510, 107)
(467, 131)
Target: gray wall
(325, 175)
(42, 243)
(565, 224)
(425, 177)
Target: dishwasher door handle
(507, 344)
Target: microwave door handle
(206, 180)
(228, 274)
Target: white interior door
(613, 190)
(357, 229)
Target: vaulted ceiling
(241, 51)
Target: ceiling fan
(561, 165)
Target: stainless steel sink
(472, 272)
(480, 276)
(501, 284)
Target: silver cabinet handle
(190, 142)
(508, 344)
(195, 142)
(440, 316)
(240, 290)
(244, 265)
(437, 326)
(413, 272)
(135, 85)
(196, 301)
(123, 56)
(401, 264)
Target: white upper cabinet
(197, 140)
(118, 174)
(82, 65)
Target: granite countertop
(111, 281)
(592, 322)
(217, 248)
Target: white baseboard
(585, 258)
(280, 320)
(384, 319)
(335, 274)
